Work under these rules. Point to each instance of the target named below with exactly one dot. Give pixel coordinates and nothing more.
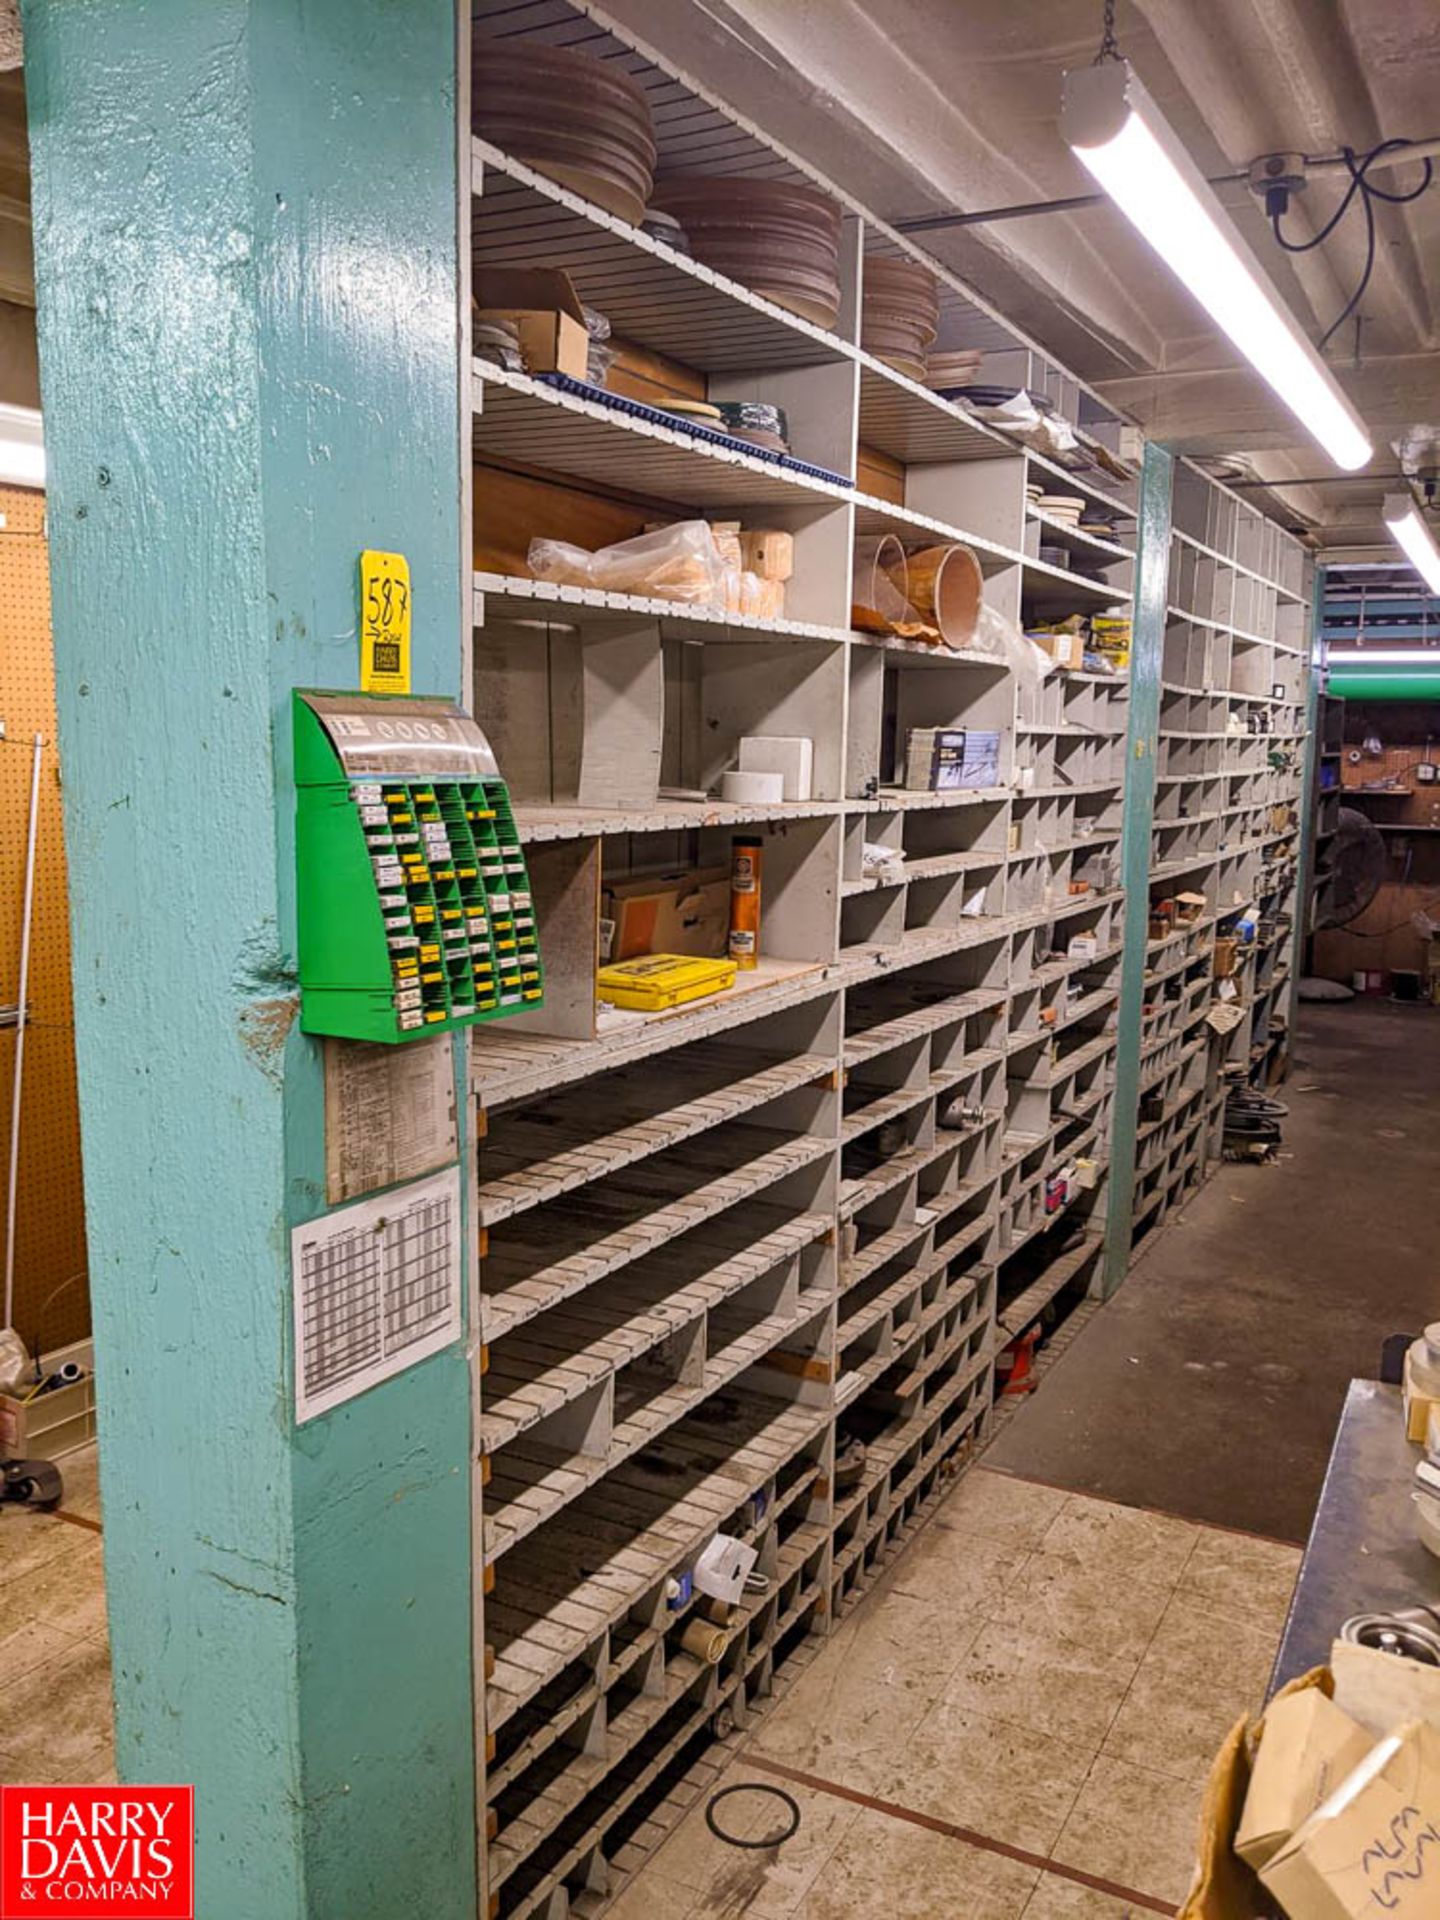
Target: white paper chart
(377, 1287)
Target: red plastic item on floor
(1015, 1364)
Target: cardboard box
(547, 313)
(1225, 951)
(1307, 1747)
(943, 759)
(1067, 650)
(686, 913)
(768, 552)
(1190, 906)
(1373, 1847)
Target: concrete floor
(1211, 1385)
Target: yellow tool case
(653, 981)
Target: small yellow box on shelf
(653, 981)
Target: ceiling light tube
(1413, 537)
(1382, 656)
(1117, 131)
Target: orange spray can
(746, 857)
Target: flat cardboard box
(1307, 1747)
(547, 313)
(686, 913)
(1372, 1848)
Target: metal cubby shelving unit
(723, 1244)
(1326, 798)
(1228, 799)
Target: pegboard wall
(52, 1303)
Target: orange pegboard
(52, 1304)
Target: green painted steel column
(1147, 653)
(1305, 865)
(245, 239)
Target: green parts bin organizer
(413, 896)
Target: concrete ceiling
(924, 106)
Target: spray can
(746, 857)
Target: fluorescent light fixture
(1413, 537)
(22, 447)
(1116, 129)
(1382, 656)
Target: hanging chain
(1109, 45)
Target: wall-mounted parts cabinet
(413, 895)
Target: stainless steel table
(1363, 1554)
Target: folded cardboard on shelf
(686, 913)
(546, 311)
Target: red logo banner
(101, 1851)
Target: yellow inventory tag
(384, 622)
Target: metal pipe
(22, 987)
(1080, 202)
(1319, 480)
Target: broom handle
(26, 913)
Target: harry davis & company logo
(102, 1851)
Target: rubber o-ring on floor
(753, 1786)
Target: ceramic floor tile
(1056, 1898)
(27, 1643)
(1234, 1573)
(1128, 1541)
(68, 1592)
(695, 1859)
(28, 1540)
(1134, 1826)
(1199, 1674)
(1010, 1783)
(55, 1717)
(890, 1867)
(81, 1472)
(849, 1715)
(1098, 1605)
(1003, 1508)
(948, 1565)
(639, 1901)
(774, 1883)
(1039, 1680)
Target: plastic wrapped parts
(679, 562)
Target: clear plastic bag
(679, 562)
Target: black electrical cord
(1359, 166)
